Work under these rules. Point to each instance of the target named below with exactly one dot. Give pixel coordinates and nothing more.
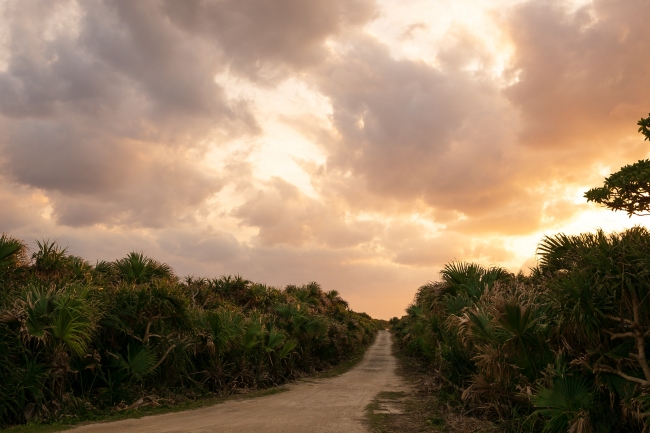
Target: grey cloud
(158, 193)
(66, 157)
(127, 56)
(211, 246)
(174, 70)
(412, 132)
(258, 37)
(450, 138)
(108, 114)
(81, 105)
(94, 179)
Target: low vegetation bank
(77, 338)
(563, 349)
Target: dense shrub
(564, 349)
(76, 337)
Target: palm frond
(566, 405)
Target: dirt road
(321, 405)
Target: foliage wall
(564, 349)
(76, 337)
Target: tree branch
(640, 339)
(160, 361)
(605, 369)
(147, 335)
(620, 319)
(614, 336)
(146, 331)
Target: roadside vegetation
(562, 349)
(430, 405)
(79, 341)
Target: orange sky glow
(361, 144)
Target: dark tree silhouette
(629, 188)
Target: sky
(361, 144)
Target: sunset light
(361, 144)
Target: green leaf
(11, 252)
(567, 403)
(287, 348)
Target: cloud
(97, 179)
(210, 246)
(285, 215)
(453, 138)
(105, 104)
(581, 80)
(258, 38)
(106, 109)
(411, 29)
(21, 207)
(416, 133)
(412, 245)
(116, 133)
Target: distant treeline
(563, 349)
(77, 338)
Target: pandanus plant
(307, 329)
(605, 280)
(138, 268)
(55, 326)
(566, 406)
(465, 283)
(74, 336)
(583, 311)
(13, 253)
(152, 316)
(50, 257)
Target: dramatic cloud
(361, 144)
(581, 78)
(415, 132)
(450, 136)
(258, 38)
(107, 112)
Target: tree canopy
(629, 188)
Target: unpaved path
(315, 405)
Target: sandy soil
(321, 405)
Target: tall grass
(564, 349)
(76, 337)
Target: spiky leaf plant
(12, 253)
(138, 268)
(75, 336)
(566, 406)
(50, 256)
(138, 362)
